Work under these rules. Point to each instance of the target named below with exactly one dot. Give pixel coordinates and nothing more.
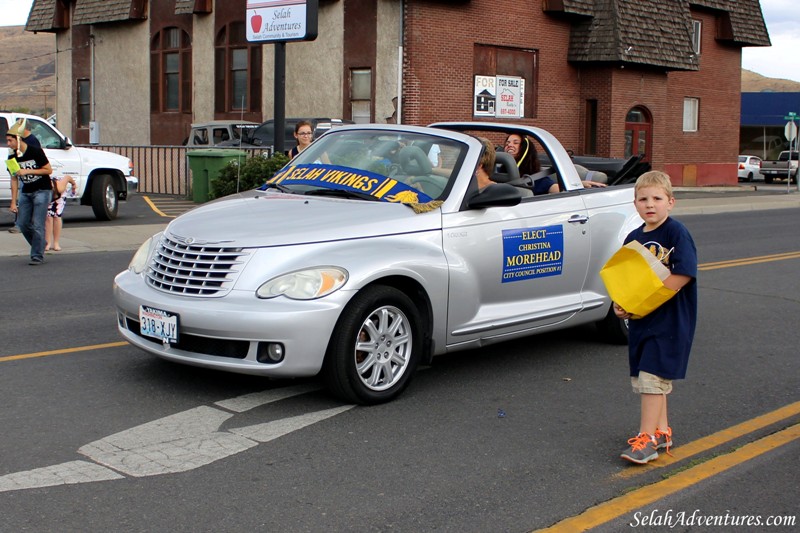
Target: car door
(515, 268)
(64, 158)
(5, 177)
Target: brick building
(608, 77)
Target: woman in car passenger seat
(523, 150)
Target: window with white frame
(361, 95)
(697, 28)
(691, 110)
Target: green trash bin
(206, 164)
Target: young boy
(659, 343)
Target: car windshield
(389, 166)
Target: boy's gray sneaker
(642, 450)
(663, 439)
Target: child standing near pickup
(52, 228)
(659, 343)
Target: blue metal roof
(768, 109)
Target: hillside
(27, 68)
(756, 83)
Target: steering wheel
(431, 185)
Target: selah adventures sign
(281, 20)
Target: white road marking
(63, 474)
(243, 403)
(176, 443)
(277, 428)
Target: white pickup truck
(781, 168)
(102, 177)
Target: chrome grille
(196, 269)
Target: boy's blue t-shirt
(660, 342)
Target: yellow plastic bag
(634, 278)
(12, 166)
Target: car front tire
(375, 347)
(105, 199)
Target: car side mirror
(495, 195)
(66, 142)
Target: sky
(781, 60)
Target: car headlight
(139, 261)
(305, 284)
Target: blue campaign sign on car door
(532, 253)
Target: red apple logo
(255, 23)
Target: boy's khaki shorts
(647, 383)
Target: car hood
(257, 219)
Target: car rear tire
(749, 176)
(375, 348)
(612, 329)
(105, 198)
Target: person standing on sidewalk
(36, 193)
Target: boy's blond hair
(654, 178)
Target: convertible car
(362, 258)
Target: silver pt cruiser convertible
(361, 258)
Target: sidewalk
(689, 201)
(80, 240)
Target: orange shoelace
(639, 442)
(668, 434)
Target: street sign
(790, 131)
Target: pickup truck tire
(105, 198)
(767, 178)
(612, 329)
(375, 348)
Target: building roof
(743, 23)
(42, 16)
(97, 11)
(657, 32)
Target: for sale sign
(499, 97)
(509, 97)
(281, 20)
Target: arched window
(237, 71)
(171, 71)
(638, 133)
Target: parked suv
(264, 135)
(102, 176)
(214, 132)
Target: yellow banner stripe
(385, 187)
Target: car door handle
(578, 219)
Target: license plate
(158, 324)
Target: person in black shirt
(36, 193)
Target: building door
(638, 133)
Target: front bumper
(225, 333)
